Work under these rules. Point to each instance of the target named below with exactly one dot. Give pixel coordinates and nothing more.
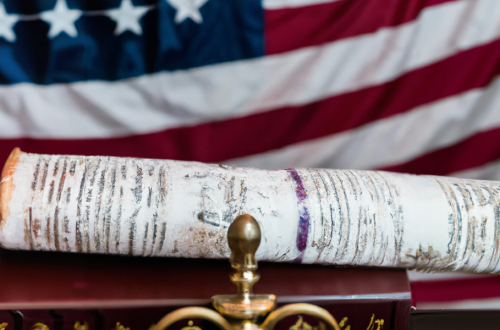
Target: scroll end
(6, 183)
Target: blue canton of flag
(60, 41)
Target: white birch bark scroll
(166, 208)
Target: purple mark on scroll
(301, 193)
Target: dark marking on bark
(469, 243)
(78, 229)
(465, 196)
(68, 195)
(56, 229)
(378, 190)
(94, 173)
(78, 236)
(459, 213)
(361, 250)
(51, 192)
(479, 194)
(328, 242)
(80, 194)
(154, 225)
(373, 221)
(44, 174)
(322, 245)
(353, 186)
(66, 225)
(89, 195)
(469, 194)
(368, 176)
(138, 186)
(72, 168)
(86, 235)
(175, 249)
(47, 232)
(150, 192)
(65, 241)
(145, 238)
(107, 213)
(124, 172)
(341, 216)
(346, 231)
(35, 176)
(162, 237)
(107, 227)
(162, 186)
(468, 205)
(132, 232)
(117, 226)
(452, 218)
(113, 182)
(61, 181)
(36, 228)
(98, 202)
(206, 215)
(56, 167)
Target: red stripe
(475, 151)
(456, 289)
(218, 141)
(291, 28)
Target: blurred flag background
(399, 85)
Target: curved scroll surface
(193, 313)
(294, 309)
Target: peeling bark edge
(7, 185)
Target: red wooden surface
(50, 280)
(61, 289)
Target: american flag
(398, 85)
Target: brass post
(243, 237)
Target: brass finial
(243, 237)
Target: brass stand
(245, 309)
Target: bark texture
(168, 208)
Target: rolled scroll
(147, 207)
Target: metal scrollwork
(304, 309)
(193, 313)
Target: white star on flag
(7, 22)
(61, 19)
(127, 17)
(187, 9)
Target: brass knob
(243, 237)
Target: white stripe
(280, 4)
(490, 171)
(172, 99)
(395, 139)
(492, 303)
